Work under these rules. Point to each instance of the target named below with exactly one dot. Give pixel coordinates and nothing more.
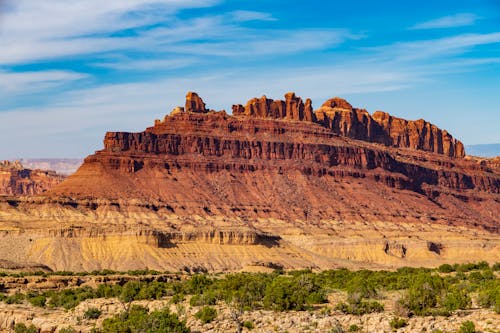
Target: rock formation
(17, 180)
(337, 186)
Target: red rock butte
(280, 158)
(324, 186)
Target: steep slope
(274, 184)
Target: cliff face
(280, 154)
(274, 183)
(17, 180)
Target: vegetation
(22, 328)
(92, 313)
(398, 323)
(138, 319)
(425, 291)
(206, 314)
(467, 327)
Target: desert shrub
(69, 298)
(457, 297)
(22, 328)
(424, 294)
(68, 329)
(467, 327)
(92, 313)
(138, 319)
(471, 266)
(244, 291)
(108, 291)
(293, 293)
(197, 284)
(496, 267)
(446, 268)
(177, 298)
(208, 298)
(206, 314)
(130, 291)
(248, 324)
(38, 300)
(398, 323)
(354, 328)
(360, 307)
(362, 288)
(17, 298)
(489, 295)
(152, 290)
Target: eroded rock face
(194, 103)
(418, 134)
(327, 183)
(278, 150)
(17, 180)
(383, 128)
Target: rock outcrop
(194, 103)
(273, 183)
(17, 180)
(381, 127)
(274, 140)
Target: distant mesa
(15, 179)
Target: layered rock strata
(275, 185)
(17, 180)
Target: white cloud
(452, 21)
(149, 65)
(27, 82)
(35, 30)
(434, 48)
(247, 15)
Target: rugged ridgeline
(274, 184)
(18, 180)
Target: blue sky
(72, 70)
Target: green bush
(138, 319)
(457, 297)
(354, 328)
(248, 324)
(208, 298)
(22, 328)
(360, 308)
(361, 287)
(17, 298)
(446, 268)
(398, 323)
(489, 295)
(38, 300)
(206, 314)
(69, 298)
(293, 293)
(92, 313)
(424, 294)
(467, 327)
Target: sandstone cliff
(17, 180)
(273, 183)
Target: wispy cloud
(452, 21)
(37, 30)
(148, 64)
(434, 48)
(12, 83)
(247, 15)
